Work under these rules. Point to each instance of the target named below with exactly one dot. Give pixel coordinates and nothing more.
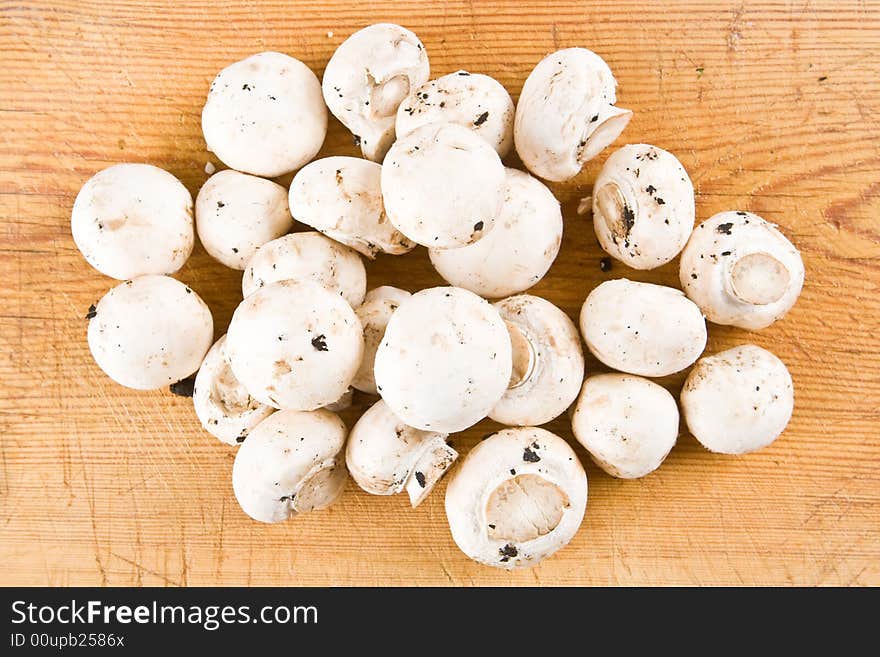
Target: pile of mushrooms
(308, 331)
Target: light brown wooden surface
(772, 107)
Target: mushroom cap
(291, 463)
(628, 424)
(643, 206)
(366, 79)
(386, 456)
(443, 186)
(445, 360)
(150, 332)
(565, 115)
(472, 100)
(342, 198)
(264, 115)
(237, 213)
(518, 497)
(641, 328)
(738, 400)
(517, 252)
(223, 406)
(295, 345)
(548, 362)
(307, 257)
(374, 314)
(130, 220)
(740, 270)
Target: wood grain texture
(771, 106)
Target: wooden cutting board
(772, 107)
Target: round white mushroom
(445, 360)
(223, 406)
(264, 115)
(628, 424)
(738, 400)
(443, 186)
(641, 328)
(386, 457)
(150, 332)
(291, 463)
(295, 345)
(472, 100)
(366, 79)
(548, 363)
(374, 313)
(130, 220)
(237, 213)
(342, 198)
(307, 257)
(643, 206)
(740, 270)
(517, 252)
(566, 115)
(518, 497)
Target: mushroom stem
(524, 508)
(386, 96)
(435, 460)
(614, 211)
(320, 488)
(759, 278)
(610, 123)
(523, 352)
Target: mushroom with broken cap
(643, 206)
(374, 313)
(566, 113)
(264, 115)
(518, 497)
(150, 332)
(445, 360)
(129, 220)
(517, 252)
(308, 256)
(237, 213)
(642, 328)
(443, 186)
(740, 270)
(628, 424)
(342, 198)
(295, 345)
(224, 407)
(291, 463)
(548, 363)
(386, 456)
(366, 79)
(738, 400)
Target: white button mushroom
(130, 220)
(223, 406)
(342, 198)
(548, 363)
(517, 252)
(641, 328)
(237, 213)
(566, 114)
(643, 206)
(518, 497)
(443, 186)
(445, 360)
(368, 76)
(291, 463)
(628, 424)
(295, 345)
(738, 400)
(740, 270)
(386, 457)
(265, 115)
(472, 100)
(307, 257)
(377, 308)
(150, 332)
